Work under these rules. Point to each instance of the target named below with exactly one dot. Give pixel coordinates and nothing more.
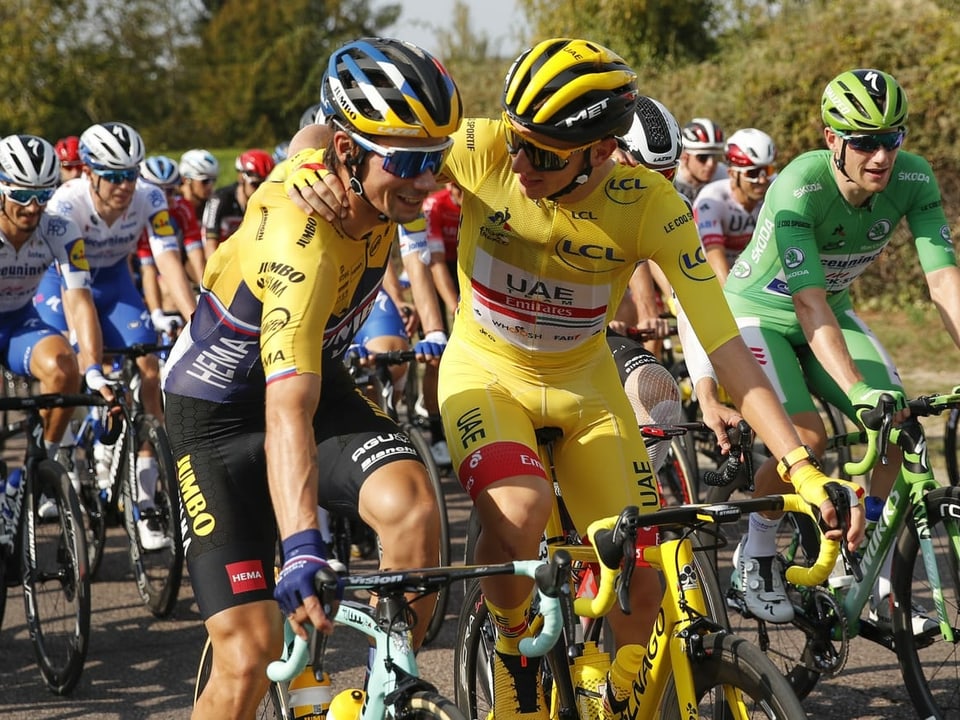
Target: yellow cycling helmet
(382, 86)
(570, 90)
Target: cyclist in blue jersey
(824, 221)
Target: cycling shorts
(491, 410)
(229, 530)
(20, 331)
(123, 315)
(777, 341)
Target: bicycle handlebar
(137, 350)
(552, 581)
(611, 538)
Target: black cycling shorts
(229, 529)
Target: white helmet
(702, 135)
(750, 148)
(199, 165)
(654, 138)
(111, 146)
(161, 171)
(28, 161)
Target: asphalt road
(142, 667)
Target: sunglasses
(756, 174)
(669, 173)
(118, 177)
(406, 163)
(889, 141)
(704, 158)
(543, 159)
(204, 181)
(25, 196)
(254, 179)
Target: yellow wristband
(795, 456)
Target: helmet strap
(354, 164)
(578, 180)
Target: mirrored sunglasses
(119, 176)
(24, 196)
(870, 143)
(543, 159)
(407, 163)
(756, 174)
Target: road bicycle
(920, 522)
(158, 573)
(693, 608)
(47, 556)
(378, 381)
(394, 688)
(693, 666)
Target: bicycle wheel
(930, 666)
(158, 572)
(92, 501)
(730, 662)
(677, 478)
(272, 707)
(950, 446)
(791, 647)
(425, 704)
(56, 581)
(473, 655)
(443, 597)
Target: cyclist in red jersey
(442, 212)
(199, 171)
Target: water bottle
(346, 705)
(309, 698)
(103, 459)
(589, 675)
(873, 507)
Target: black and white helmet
(111, 146)
(28, 161)
(199, 164)
(161, 171)
(654, 138)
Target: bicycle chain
(828, 648)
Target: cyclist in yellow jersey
(263, 417)
(550, 233)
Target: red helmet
(68, 150)
(255, 162)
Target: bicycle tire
(273, 706)
(929, 665)
(423, 705)
(436, 482)
(950, 446)
(92, 500)
(785, 644)
(473, 655)
(55, 578)
(731, 661)
(158, 572)
(677, 478)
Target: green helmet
(863, 100)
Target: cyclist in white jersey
(112, 207)
(31, 238)
(726, 210)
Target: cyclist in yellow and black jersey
(258, 399)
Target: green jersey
(808, 235)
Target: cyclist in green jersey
(824, 221)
